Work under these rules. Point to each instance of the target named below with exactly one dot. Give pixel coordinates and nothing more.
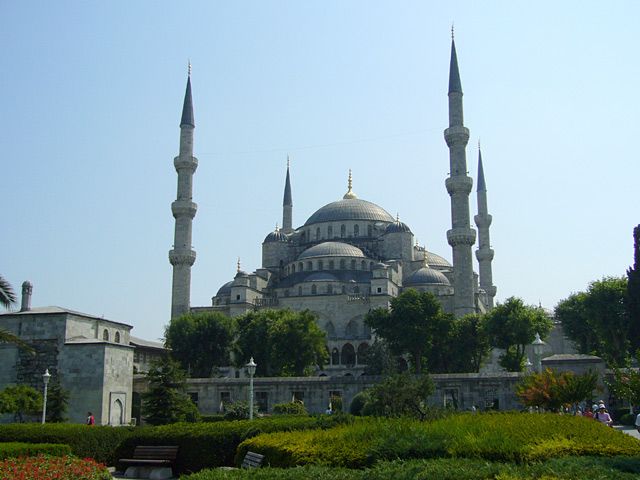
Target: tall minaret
(182, 256)
(484, 253)
(287, 205)
(461, 236)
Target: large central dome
(350, 209)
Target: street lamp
(528, 365)
(251, 367)
(538, 347)
(45, 378)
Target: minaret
(287, 205)
(484, 253)
(461, 236)
(182, 256)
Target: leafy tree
(20, 400)
(166, 401)
(625, 383)
(57, 402)
(633, 293)
(400, 396)
(200, 341)
(379, 360)
(291, 408)
(413, 325)
(469, 344)
(552, 390)
(512, 326)
(572, 314)
(238, 410)
(7, 295)
(281, 342)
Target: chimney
(27, 290)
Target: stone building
(90, 356)
(351, 255)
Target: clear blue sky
(90, 102)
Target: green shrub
(238, 410)
(358, 402)
(95, 442)
(291, 408)
(18, 449)
(627, 419)
(217, 417)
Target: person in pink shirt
(603, 416)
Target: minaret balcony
(456, 135)
(184, 208)
(461, 236)
(459, 184)
(484, 254)
(483, 221)
(189, 163)
(182, 257)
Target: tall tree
(281, 342)
(633, 293)
(20, 400)
(470, 343)
(411, 326)
(512, 326)
(166, 400)
(200, 341)
(57, 402)
(400, 396)
(571, 313)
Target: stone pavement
(628, 430)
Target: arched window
(330, 329)
(348, 354)
(286, 293)
(353, 264)
(300, 266)
(314, 290)
(293, 268)
(318, 233)
(363, 265)
(362, 350)
(335, 357)
(369, 230)
(331, 265)
(309, 266)
(344, 289)
(352, 329)
(330, 231)
(320, 265)
(105, 335)
(343, 231)
(330, 289)
(356, 289)
(371, 266)
(343, 265)
(299, 291)
(117, 337)
(356, 230)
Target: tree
(552, 390)
(470, 344)
(625, 383)
(633, 293)
(57, 402)
(379, 360)
(200, 341)
(411, 326)
(571, 313)
(20, 400)
(7, 295)
(281, 342)
(512, 326)
(399, 396)
(166, 401)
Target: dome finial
(288, 162)
(424, 259)
(189, 67)
(349, 194)
(397, 217)
(452, 34)
(277, 226)
(238, 267)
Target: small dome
(276, 236)
(426, 275)
(349, 209)
(321, 277)
(241, 273)
(331, 249)
(437, 261)
(225, 289)
(397, 227)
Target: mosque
(351, 255)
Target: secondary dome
(276, 236)
(350, 209)
(397, 227)
(426, 275)
(225, 289)
(331, 249)
(434, 260)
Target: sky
(90, 100)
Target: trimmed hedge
(508, 437)
(86, 441)
(18, 449)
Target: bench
(151, 461)
(252, 460)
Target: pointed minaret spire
(287, 204)
(182, 256)
(461, 236)
(238, 269)
(484, 253)
(349, 194)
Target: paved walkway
(628, 430)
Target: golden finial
(288, 161)
(478, 143)
(424, 259)
(238, 264)
(276, 226)
(452, 35)
(349, 194)
(189, 67)
(397, 217)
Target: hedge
(18, 449)
(507, 437)
(571, 468)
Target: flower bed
(44, 467)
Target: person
(587, 412)
(603, 416)
(90, 419)
(638, 422)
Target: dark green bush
(292, 408)
(627, 419)
(218, 417)
(19, 449)
(357, 403)
(95, 442)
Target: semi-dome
(397, 227)
(275, 236)
(350, 209)
(225, 289)
(434, 260)
(426, 275)
(331, 249)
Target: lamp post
(528, 365)
(45, 378)
(251, 367)
(538, 347)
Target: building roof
(58, 310)
(276, 236)
(434, 260)
(331, 249)
(349, 209)
(225, 289)
(397, 227)
(426, 276)
(139, 342)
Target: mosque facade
(351, 255)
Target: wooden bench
(151, 461)
(252, 460)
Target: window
(309, 266)
(286, 293)
(369, 230)
(225, 397)
(363, 265)
(314, 290)
(356, 289)
(238, 297)
(105, 335)
(343, 231)
(318, 233)
(320, 265)
(352, 329)
(117, 337)
(303, 237)
(194, 397)
(353, 264)
(293, 268)
(136, 356)
(356, 230)
(343, 265)
(335, 357)
(262, 399)
(348, 355)
(362, 350)
(297, 397)
(344, 289)
(379, 289)
(331, 264)
(330, 329)
(330, 231)
(330, 289)
(300, 266)
(299, 291)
